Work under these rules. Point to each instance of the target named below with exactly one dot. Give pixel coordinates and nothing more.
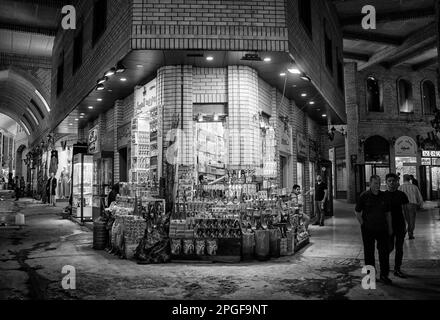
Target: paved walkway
(31, 260)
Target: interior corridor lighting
(267, 59)
(209, 58)
(99, 99)
(100, 87)
(303, 94)
(43, 100)
(90, 107)
(33, 116)
(25, 128)
(123, 79)
(294, 70)
(102, 80)
(305, 77)
(111, 72)
(120, 67)
(312, 102)
(282, 74)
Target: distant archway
(20, 169)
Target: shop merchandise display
(221, 219)
(136, 221)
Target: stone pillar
(352, 144)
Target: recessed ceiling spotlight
(70, 124)
(102, 80)
(81, 117)
(303, 94)
(139, 66)
(312, 102)
(76, 119)
(282, 74)
(99, 99)
(305, 77)
(120, 67)
(123, 79)
(82, 114)
(209, 58)
(324, 116)
(267, 59)
(294, 70)
(100, 87)
(111, 72)
(90, 107)
(110, 90)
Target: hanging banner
(405, 147)
(286, 140)
(145, 98)
(301, 145)
(93, 140)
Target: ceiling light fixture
(76, 119)
(209, 58)
(294, 70)
(303, 94)
(70, 124)
(120, 67)
(111, 72)
(312, 102)
(100, 87)
(305, 77)
(282, 74)
(90, 107)
(324, 116)
(123, 79)
(99, 99)
(139, 66)
(267, 59)
(102, 80)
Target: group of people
(320, 198)
(385, 218)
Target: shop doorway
(378, 170)
(430, 188)
(123, 165)
(325, 168)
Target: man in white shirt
(297, 203)
(415, 200)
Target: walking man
(321, 195)
(415, 200)
(396, 199)
(373, 213)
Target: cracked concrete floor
(31, 260)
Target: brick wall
(210, 85)
(112, 46)
(308, 51)
(209, 24)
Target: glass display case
(102, 181)
(82, 187)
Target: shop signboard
(426, 161)
(124, 134)
(301, 145)
(286, 140)
(93, 140)
(430, 154)
(145, 98)
(405, 147)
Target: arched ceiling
(17, 91)
(7, 123)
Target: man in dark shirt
(321, 194)
(397, 199)
(373, 213)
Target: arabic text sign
(405, 147)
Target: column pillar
(352, 144)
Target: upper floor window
(405, 95)
(305, 14)
(374, 95)
(77, 50)
(99, 19)
(60, 74)
(428, 97)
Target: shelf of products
(216, 222)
